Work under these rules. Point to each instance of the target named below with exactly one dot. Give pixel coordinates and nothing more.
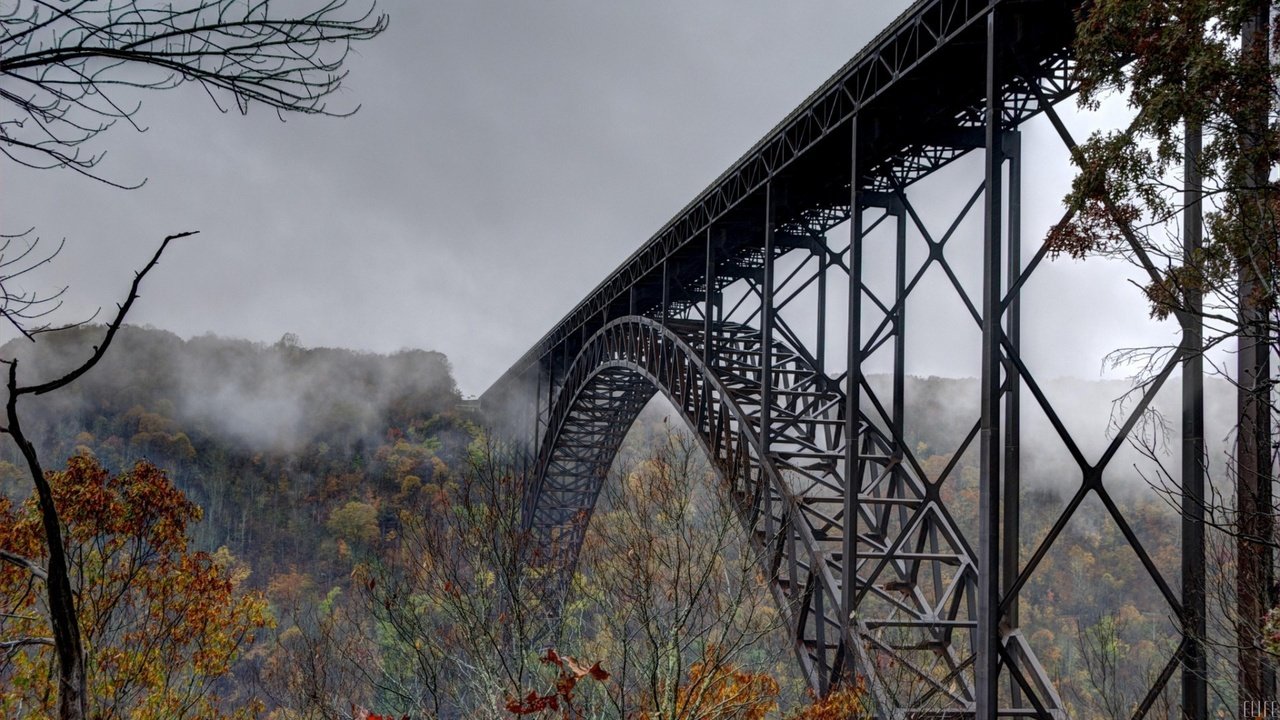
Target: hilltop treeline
(265, 438)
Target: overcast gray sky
(507, 156)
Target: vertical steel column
(663, 312)
(1011, 531)
(554, 379)
(631, 300)
(766, 361)
(721, 239)
(538, 423)
(666, 297)
(853, 395)
(707, 309)
(1254, 558)
(1195, 697)
(988, 631)
(820, 351)
(707, 329)
(896, 206)
(766, 326)
(553, 370)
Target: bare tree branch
(68, 64)
(63, 617)
(112, 328)
(24, 563)
(23, 642)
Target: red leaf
(551, 658)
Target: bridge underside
(731, 311)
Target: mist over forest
(314, 465)
(278, 399)
(258, 397)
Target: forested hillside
(268, 440)
(370, 532)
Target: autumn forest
(295, 532)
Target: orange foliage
(161, 623)
(847, 702)
(717, 690)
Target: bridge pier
(990, 440)
(852, 414)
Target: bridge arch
(914, 584)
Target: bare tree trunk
(73, 700)
(1255, 576)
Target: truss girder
(897, 65)
(910, 631)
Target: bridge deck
(919, 89)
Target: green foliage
(355, 522)
(1176, 62)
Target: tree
(356, 522)
(845, 702)
(55, 573)
(457, 612)
(1200, 149)
(70, 65)
(318, 667)
(161, 623)
(69, 68)
(718, 690)
(674, 601)
(440, 617)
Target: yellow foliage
(717, 690)
(356, 523)
(847, 702)
(409, 484)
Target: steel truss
(864, 556)
(914, 575)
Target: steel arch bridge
(866, 560)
